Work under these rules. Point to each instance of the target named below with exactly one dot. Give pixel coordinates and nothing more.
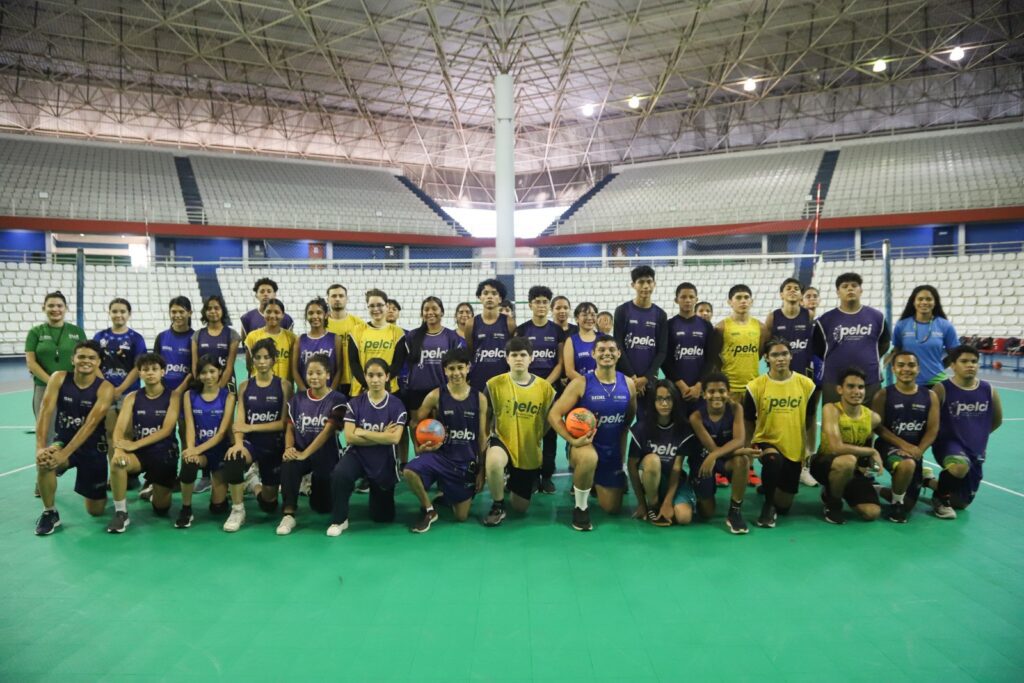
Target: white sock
(52, 508)
(430, 508)
(239, 507)
(897, 498)
(121, 505)
(582, 497)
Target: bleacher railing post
(80, 285)
(887, 294)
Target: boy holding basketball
(454, 461)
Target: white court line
(1003, 386)
(4, 474)
(33, 427)
(15, 391)
(986, 483)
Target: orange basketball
(998, 365)
(430, 432)
(579, 422)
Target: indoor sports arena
(515, 340)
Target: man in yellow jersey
(376, 339)
(341, 323)
(845, 462)
(775, 413)
(519, 410)
(741, 338)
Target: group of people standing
(680, 406)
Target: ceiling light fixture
(634, 102)
(588, 109)
(879, 66)
(750, 85)
(956, 54)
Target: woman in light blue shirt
(924, 330)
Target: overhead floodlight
(588, 109)
(634, 102)
(750, 85)
(879, 66)
(956, 54)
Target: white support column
(504, 175)
(329, 251)
(604, 254)
(961, 239)
(405, 257)
(245, 252)
(764, 243)
(856, 244)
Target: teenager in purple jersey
(606, 323)
(208, 409)
(463, 316)
(174, 345)
(456, 464)
(310, 444)
(693, 346)
(216, 339)
(265, 289)
(487, 334)
(577, 357)
(261, 417)
(641, 330)
(75, 403)
(374, 423)
(121, 346)
(144, 442)
(547, 340)
(970, 411)
(705, 310)
(316, 341)
(560, 309)
(393, 311)
(909, 416)
(850, 335)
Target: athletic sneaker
(363, 486)
(734, 520)
(942, 509)
(47, 522)
(752, 478)
(333, 530)
(766, 520)
(581, 520)
(423, 526)
(185, 517)
(721, 481)
(235, 520)
(898, 513)
(306, 485)
(833, 510)
(546, 485)
(496, 516)
(286, 525)
(805, 477)
(202, 485)
(655, 518)
(147, 492)
(252, 480)
(119, 524)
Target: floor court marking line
(986, 483)
(4, 474)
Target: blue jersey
(176, 350)
(637, 330)
(218, 346)
(545, 341)
(148, 415)
(426, 373)
(309, 347)
(73, 406)
(965, 421)
(309, 416)
(929, 342)
(461, 420)
(608, 403)
(797, 331)
(664, 441)
(119, 354)
(489, 341)
(689, 340)
(206, 419)
(263, 405)
(720, 431)
(906, 415)
(380, 462)
(582, 355)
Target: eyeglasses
(663, 399)
(375, 305)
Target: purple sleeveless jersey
(965, 421)
(797, 331)
(309, 347)
(641, 337)
(488, 350)
(851, 340)
(688, 341)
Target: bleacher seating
(982, 167)
(280, 193)
(22, 288)
(98, 182)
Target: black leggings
(343, 483)
(292, 472)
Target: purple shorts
(453, 479)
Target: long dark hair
(909, 311)
(416, 337)
(224, 319)
(197, 384)
(678, 417)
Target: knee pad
(234, 471)
(189, 472)
(219, 508)
(161, 512)
(955, 460)
(267, 505)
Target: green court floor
(530, 600)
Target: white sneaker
(146, 493)
(235, 520)
(252, 480)
(286, 526)
(943, 511)
(805, 477)
(306, 485)
(336, 529)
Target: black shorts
(160, 466)
(860, 490)
(788, 480)
(520, 482)
(412, 400)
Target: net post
(80, 284)
(887, 294)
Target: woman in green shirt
(49, 347)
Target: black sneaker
(496, 516)
(423, 525)
(734, 520)
(47, 522)
(898, 513)
(655, 518)
(185, 517)
(581, 520)
(833, 510)
(546, 486)
(119, 524)
(766, 520)
(440, 501)
(362, 486)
